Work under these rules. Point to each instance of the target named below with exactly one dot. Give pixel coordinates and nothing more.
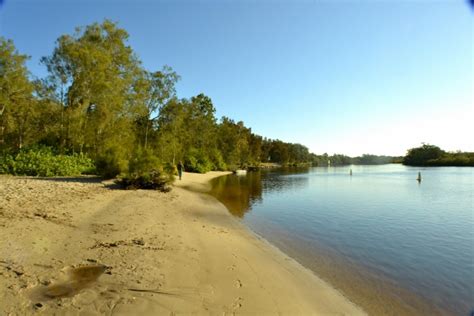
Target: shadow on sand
(108, 184)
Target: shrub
(42, 161)
(111, 163)
(196, 161)
(146, 172)
(218, 161)
(143, 161)
(152, 180)
(170, 168)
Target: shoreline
(372, 291)
(177, 252)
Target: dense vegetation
(342, 160)
(430, 155)
(425, 155)
(99, 110)
(98, 102)
(42, 161)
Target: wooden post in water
(350, 172)
(419, 177)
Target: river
(392, 244)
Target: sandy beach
(81, 246)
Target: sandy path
(178, 252)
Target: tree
(93, 73)
(234, 143)
(156, 88)
(172, 131)
(421, 156)
(17, 106)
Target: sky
(349, 77)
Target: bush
(170, 168)
(146, 172)
(218, 161)
(142, 162)
(196, 161)
(152, 180)
(111, 163)
(42, 161)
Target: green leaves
(99, 100)
(43, 162)
(430, 155)
(16, 97)
(94, 72)
(421, 155)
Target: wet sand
(82, 246)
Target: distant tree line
(430, 155)
(343, 160)
(99, 102)
(425, 155)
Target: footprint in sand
(238, 283)
(237, 303)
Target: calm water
(391, 244)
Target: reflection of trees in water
(239, 193)
(285, 179)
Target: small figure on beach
(180, 169)
(350, 172)
(419, 177)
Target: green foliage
(146, 172)
(42, 161)
(18, 109)
(367, 159)
(92, 76)
(341, 160)
(461, 159)
(421, 156)
(218, 161)
(111, 163)
(430, 155)
(142, 162)
(152, 180)
(425, 155)
(170, 168)
(197, 161)
(98, 99)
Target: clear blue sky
(337, 76)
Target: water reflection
(285, 179)
(240, 192)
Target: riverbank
(177, 252)
(376, 236)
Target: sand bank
(150, 253)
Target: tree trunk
(146, 134)
(2, 135)
(2, 128)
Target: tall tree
(16, 97)
(157, 88)
(93, 73)
(172, 131)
